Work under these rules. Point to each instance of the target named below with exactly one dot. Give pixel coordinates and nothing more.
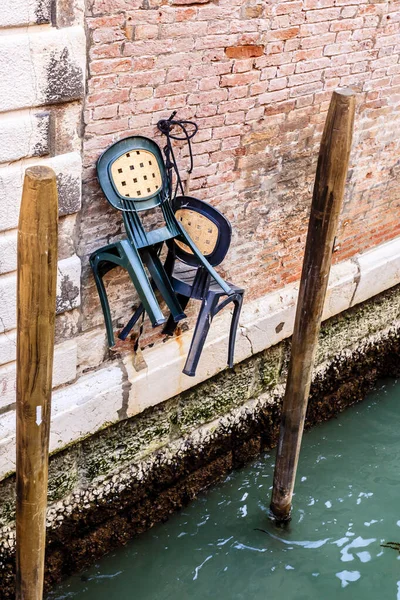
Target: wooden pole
(37, 274)
(326, 205)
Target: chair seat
(183, 277)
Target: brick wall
(257, 78)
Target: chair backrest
(208, 228)
(133, 177)
(132, 174)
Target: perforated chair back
(132, 174)
(136, 174)
(207, 227)
(133, 178)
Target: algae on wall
(262, 375)
(175, 449)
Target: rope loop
(180, 130)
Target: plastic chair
(211, 232)
(133, 178)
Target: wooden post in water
(326, 205)
(37, 275)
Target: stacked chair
(135, 178)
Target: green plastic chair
(133, 177)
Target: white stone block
(24, 12)
(8, 302)
(8, 346)
(65, 363)
(271, 319)
(92, 348)
(68, 292)
(379, 270)
(7, 384)
(68, 284)
(77, 411)
(48, 67)
(8, 252)
(68, 169)
(64, 371)
(86, 406)
(7, 425)
(24, 135)
(68, 14)
(341, 288)
(7, 443)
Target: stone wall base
(108, 488)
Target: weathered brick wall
(257, 78)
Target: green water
(346, 505)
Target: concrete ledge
(379, 269)
(265, 322)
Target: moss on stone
(126, 445)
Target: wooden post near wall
(37, 276)
(327, 200)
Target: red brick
(317, 41)
(327, 14)
(340, 48)
(284, 34)
(108, 34)
(105, 112)
(236, 79)
(106, 51)
(146, 32)
(248, 51)
(314, 4)
(102, 67)
(307, 88)
(108, 126)
(108, 97)
(241, 66)
(314, 29)
(302, 78)
(171, 89)
(272, 97)
(312, 65)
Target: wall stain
(69, 292)
(64, 78)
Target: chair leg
(238, 301)
(203, 261)
(104, 303)
(163, 284)
(131, 323)
(170, 325)
(136, 271)
(203, 323)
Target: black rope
(166, 126)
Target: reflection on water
(223, 546)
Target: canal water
(346, 506)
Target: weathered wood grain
(37, 275)
(325, 210)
